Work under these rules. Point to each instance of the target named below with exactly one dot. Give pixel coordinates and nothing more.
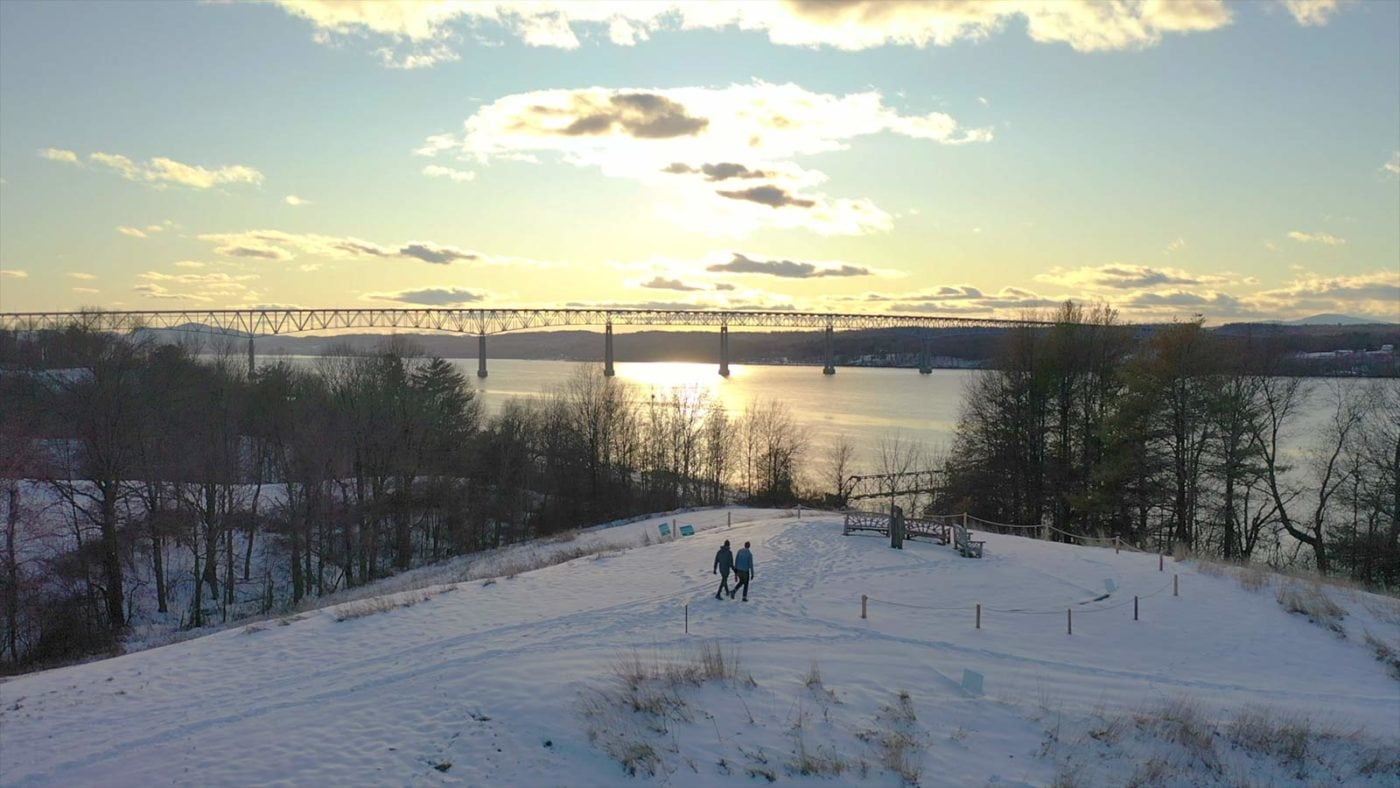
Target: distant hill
(1337, 320)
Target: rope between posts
(1022, 611)
(915, 607)
(972, 517)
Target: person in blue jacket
(743, 570)
(724, 561)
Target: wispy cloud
(1119, 276)
(295, 201)
(439, 171)
(82, 275)
(1175, 246)
(1312, 13)
(679, 141)
(60, 155)
(1316, 238)
(422, 34)
(1392, 167)
(786, 268)
(280, 246)
(430, 296)
(14, 273)
(86, 290)
(160, 171)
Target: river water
(865, 405)
(862, 404)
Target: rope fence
(1068, 609)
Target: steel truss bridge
(252, 323)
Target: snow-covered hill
(583, 672)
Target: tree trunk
(111, 558)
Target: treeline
(175, 483)
(1183, 438)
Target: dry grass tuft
(897, 740)
(1386, 653)
(646, 697)
(1311, 601)
(381, 604)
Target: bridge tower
(925, 365)
(724, 349)
(830, 368)
(481, 355)
(608, 370)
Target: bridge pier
(252, 360)
(925, 366)
(830, 367)
(724, 351)
(608, 370)
(481, 355)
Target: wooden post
(1159, 562)
(674, 532)
(1135, 618)
(979, 615)
(1176, 585)
(687, 618)
(728, 519)
(1115, 545)
(1069, 621)
(863, 600)
(799, 511)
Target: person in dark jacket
(724, 561)
(743, 570)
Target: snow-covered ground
(535, 680)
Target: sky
(1238, 161)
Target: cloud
(786, 268)
(1175, 246)
(294, 200)
(716, 172)
(1312, 13)
(86, 290)
(1118, 276)
(279, 246)
(14, 273)
(1376, 293)
(1316, 238)
(134, 232)
(649, 135)
(420, 34)
(772, 196)
(160, 292)
(660, 283)
(81, 275)
(161, 171)
(59, 154)
(1393, 166)
(438, 255)
(663, 283)
(439, 171)
(190, 264)
(430, 296)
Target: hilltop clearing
(583, 673)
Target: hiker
(724, 561)
(743, 570)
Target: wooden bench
(933, 529)
(867, 521)
(969, 548)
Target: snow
(489, 680)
